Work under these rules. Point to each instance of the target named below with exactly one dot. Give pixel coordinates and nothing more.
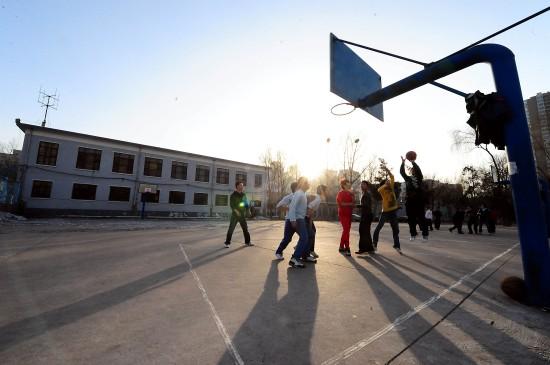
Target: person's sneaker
(424, 238)
(314, 255)
(342, 250)
(309, 259)
(279, 256)
(398, 250)
(375, 248)
(371, 252)
(347, 252)
(360, 252)
(412, 238)
(226, 245)
(249, 244)
(295, 263)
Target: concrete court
(117, 293)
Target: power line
(501, 31)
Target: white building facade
(65, 173)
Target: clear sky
(230, 79)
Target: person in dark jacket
(437, 218)
(239, 205)
(415, 197)
(483, 217)
(365, 239)
(458, 220)
(471, 220)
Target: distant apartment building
(68, 173)
(537, 109)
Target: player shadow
(467, 322)
(395, 306)
(454, 277)
(463, 292)
(24, 329)
(279, 331)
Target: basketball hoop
(344, 108)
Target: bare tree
(277, 176)
(352, 154)
(465, 141)
(370, 169)
(9, 159)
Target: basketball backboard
(147, 188)
(351, 78)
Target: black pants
(392, 218)
(429, 224)
(470, 224)
(415, 215)
(232, 223)
(458, 225)
(437, 223)
(365, 239)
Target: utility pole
(47, 101)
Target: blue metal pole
(523, 178)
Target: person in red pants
(346, 201)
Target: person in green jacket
(239, 205)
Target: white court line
(350, 351)
(223, 332)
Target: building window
(152, 167)
(200, 199)
(123, 163)
(202, 173)
(221, 200)
(258, 180)
(176, 197)
(47, 153)
(84, 191)
(41, 189)
(150, 197)
(241, 177)
(88, 158)
(222, 176)
(179, 170)
(119, 194)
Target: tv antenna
(48, 101)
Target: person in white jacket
(296, 215)
(289, 230)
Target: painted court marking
(221, 328)
(350, 351)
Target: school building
(63, 173)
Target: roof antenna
(47, 101)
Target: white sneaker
(412, 238)
(309, 259)
(278, 256)
(314, 255)
(296, 263)
(226, 245)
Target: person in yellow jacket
(389, 212)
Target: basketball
(515, 288)
(411, 155)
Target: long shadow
(441, 283)
(439, 270)
(13, 333)
(280, 331)
(482, 328)
(394, 306)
